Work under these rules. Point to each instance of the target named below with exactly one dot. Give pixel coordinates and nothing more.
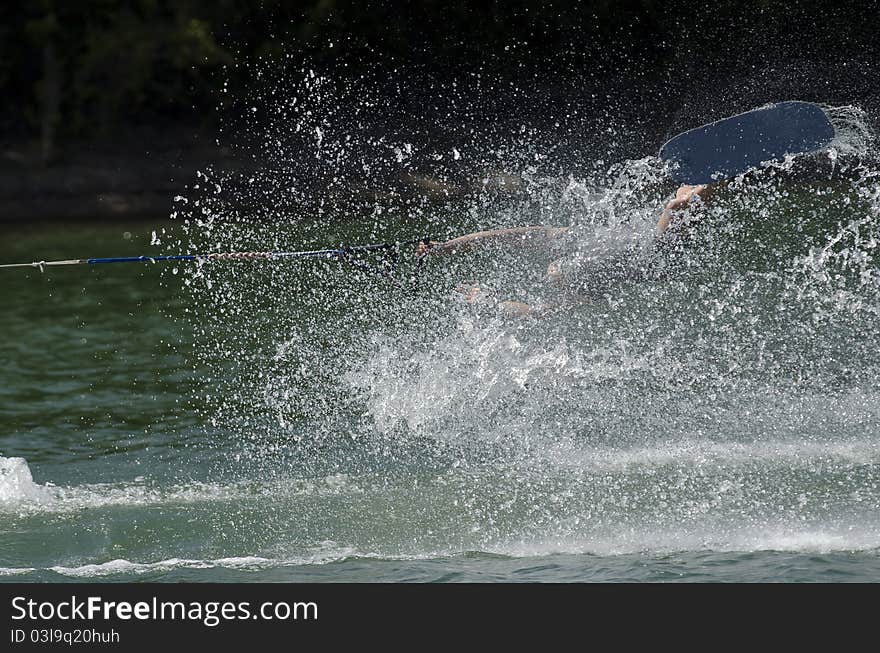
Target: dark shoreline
(104, 179)
(139, 174)
(110, 112)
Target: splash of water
(756, 335)
(17, 485)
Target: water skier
(668, 231)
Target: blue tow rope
(390, 253)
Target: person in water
(667, 231)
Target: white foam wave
(20, 494)
(16, 571)
(775, 538)
(780, 538)
(239, 563)
(17, 484)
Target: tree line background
(78, 74)
(74, 68)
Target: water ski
(735, 145)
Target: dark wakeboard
(729, 147)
